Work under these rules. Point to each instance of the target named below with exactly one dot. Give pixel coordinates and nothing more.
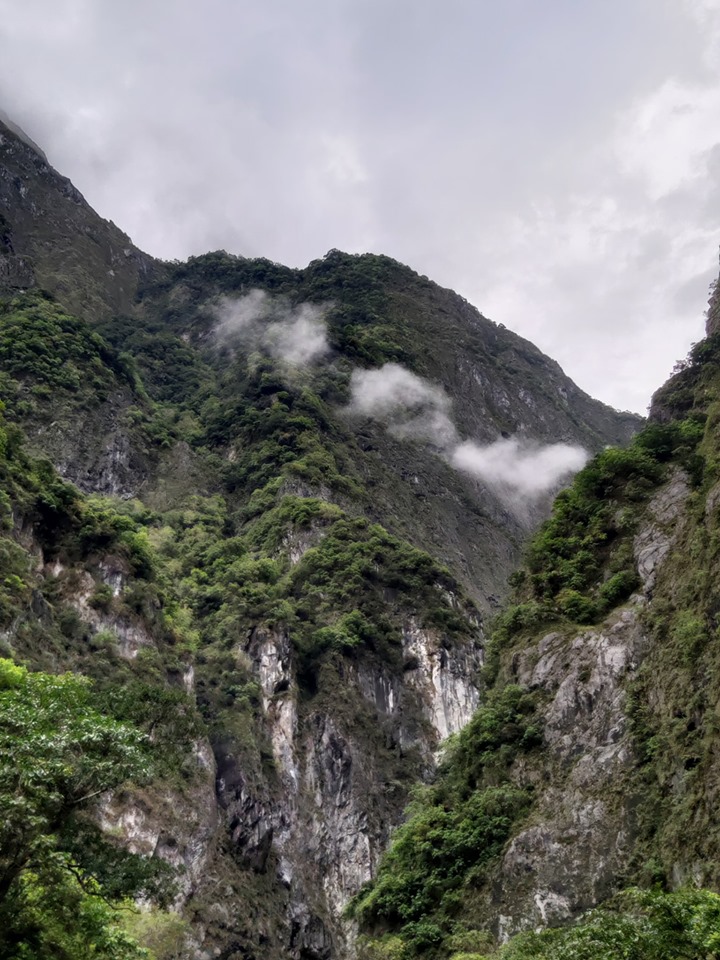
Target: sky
(557, 163)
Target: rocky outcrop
(91, 266)
(445, 677)
(96, 448)
(575, 849)
(660, 530)
(15, 273)
(178, 827)
(582, 829)
(128, 634)
(321, 821)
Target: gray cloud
(410, 407)
(296, 335)
(521, 153)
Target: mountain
(589, 774)
(268, 513)
(161, 314)
(52, 239)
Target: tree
(57, 755)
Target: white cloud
(527, 470)
(408, 405)
(296, 335)
(411, 408)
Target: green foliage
(363, 326)
(118, 873)
(39, 341)
(569, 550)
(578, 565)
(432, 858)
(635, 925)
(56, 914)
(575, 606)
(165, 714)
(163, 933)
(14, 564)
(160, 360)
(221, 272)
(689, 633)
(57, 754)
(354, 569)
(292, 515)
(693, 383)
(455, 830)
(350, 593)
(618, 588)
(277, 429)
(105, 526)
(102, 597)
(32, 488)
(516, 619)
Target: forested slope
(252, 506)
(589, 774)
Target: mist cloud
(296, 335)
(528, 469)
(409, 406)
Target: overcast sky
(557, 162)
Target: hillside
(267, 512)
(589, 775)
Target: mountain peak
(53, 239)
(15, 128)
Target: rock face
(155, 827)
(655, 539)
(54, 240)
(582, 835)
(443, 678)
(94, 448)
(321, 821)
(584, 828)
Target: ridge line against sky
(557, 164)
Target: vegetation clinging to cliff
(456, 829)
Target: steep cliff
(278, 575)
(51, 238)
(608, 658)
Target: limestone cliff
(289, 599)
(591, 765)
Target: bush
(618, 588)
(576, 607)
(635, 925)
(455, 829)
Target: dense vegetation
(579, 567)
(58, 898)
(635, 925)
(260, 551)
(455, 830)
(64, 886)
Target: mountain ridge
(288, 592)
